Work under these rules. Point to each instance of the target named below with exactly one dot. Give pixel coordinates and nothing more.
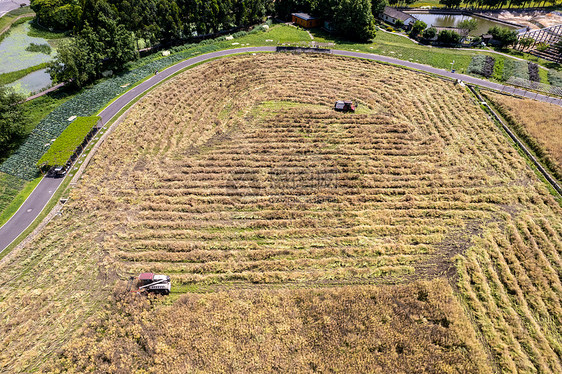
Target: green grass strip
(13, 76)
(18, 200)
(64, 147)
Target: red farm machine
(153, 283)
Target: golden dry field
(406, 237)
(538, 123)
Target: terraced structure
(408, 236)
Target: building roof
(396, 14)
(461, 32)
(304, 16)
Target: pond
(13, 55)
(452, 20)
(32, 82)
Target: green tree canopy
(417, 28)
(468, 24)
(429, 33)
(12, 118)
(503, 35)
(448, 37)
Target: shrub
(534, 72)
(555, 78)
(429, 33)
(515, 68)
(482, 65)
(503, 35)
(448, 37)
(417, 28)
(541, 47)
(40, 48)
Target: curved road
(43, 192)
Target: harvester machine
(155, 283)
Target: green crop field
(65, 145)
(408, 236)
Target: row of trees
(161, 20)
(106, 30)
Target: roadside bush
(534, 72)
(482, 65)
(515, 68)
(555, 78)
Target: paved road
(28, 211)
(7, 5)
(41, 195)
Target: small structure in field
(392, 15)
(344, 106)
(305, 20)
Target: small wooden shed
(305, 20)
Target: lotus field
(409, 235)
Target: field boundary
(519, 143)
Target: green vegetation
(12, 119)
(36, 31)
(9, 18)
(41, 48)
(468, 24)
(13, 76)
(14, 193)
(10, 187)
(503, 35)
(66, 144)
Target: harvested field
(538, 123)
(299, 227)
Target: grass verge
(18, 200)
(13, 76)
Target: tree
(377, 6)
(503, 35)
(448, 37)
(526, 42)
(417, 28)
(12, 118)
(468, 24)
(57, 14)
(429, 33)
(451, 3)
(81, 61)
